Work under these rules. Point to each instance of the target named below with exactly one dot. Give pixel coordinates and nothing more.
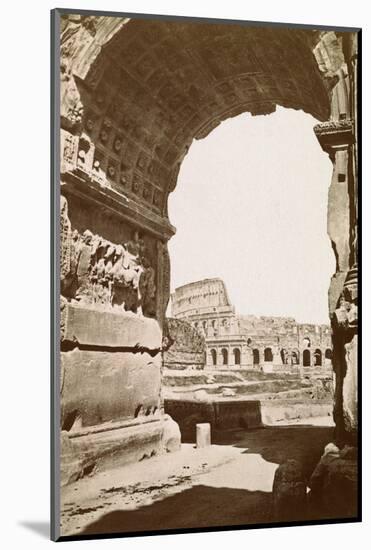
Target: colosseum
(264, 343)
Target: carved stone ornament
(97, 272)
(77, 32)
(78, 156)
(346, 313)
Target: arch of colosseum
(134, 94)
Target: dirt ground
(229, 483)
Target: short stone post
(203, 435)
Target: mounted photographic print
(205, 274)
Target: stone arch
(295, 356)
(159, 84)
(224, 353)
(138, 92)
(283, 60)
(256, 356)
(284, 356)
(268, 355)
(213, 357)
(306, 358)
(237, 356)
(318, 358)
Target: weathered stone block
(334, 484)
(350, 387)
(203, 436)
(220, 414)
(100, 386)
(183, 360)
(115, 445)
(171, 437)
(93, 327)
(289, 492)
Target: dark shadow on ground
(203, 506)
(304, 443)
(42, 528)
(197, 507)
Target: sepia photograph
(206, 243)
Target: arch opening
(318, 358)
(268, 355)
(306, 358)
(237, 356)
(284, 356)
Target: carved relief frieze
(346, 313)
(79, 155)
(103, 274)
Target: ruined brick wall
(185, 347)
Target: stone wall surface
(111, 343)
(185, 346)
(111, 447)
(338, 59)
(221, 415)
(114, 329)
(129, 386)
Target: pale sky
(250, 207)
